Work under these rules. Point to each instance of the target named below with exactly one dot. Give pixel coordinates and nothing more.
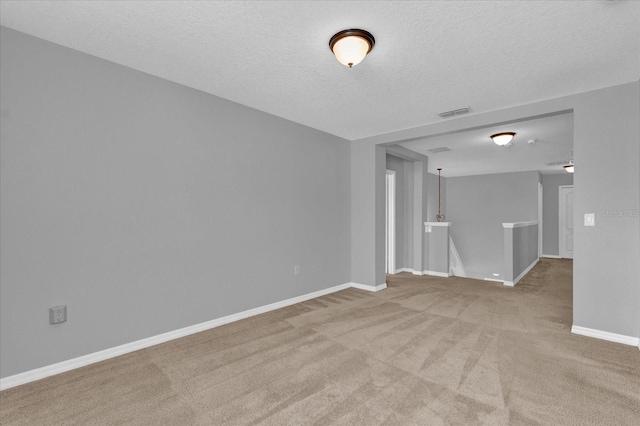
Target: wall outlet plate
(57, 314)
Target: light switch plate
(589, 219)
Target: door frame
(540, 214)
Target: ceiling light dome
(351, 46)
(569, 167)
(503, 138)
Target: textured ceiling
(429, 57)
(472, 152)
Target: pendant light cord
(439, 171)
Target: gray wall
(368, 165)
(477, 206)
(521, 250)
(397, 165)
(420, 197)
(438, 249)
(146, 206)
(408, 234)
(550, 211)
(606, 280)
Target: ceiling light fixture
(503, 138)
(351, 46)
(569, 167)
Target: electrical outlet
(57, 314)
(296, 270)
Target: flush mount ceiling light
(503, 138)
(351, 46)
(569, 167)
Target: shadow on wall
(455, 262)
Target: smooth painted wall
(368, 171)
(521, 250)
(437, 248)
(477, 206)
(146, 206)
(409, 201)
(606, 280)
(551, 212)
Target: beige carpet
(425, 351)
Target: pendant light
(351, 46)
(439, 216)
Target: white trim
(494, 279)
(551, 256)
(605, 335)
(437, 223)
(433, 273)
(81, 361)
(437, 274)
(540, 217)
(369, 287)
(519, 224)
(514, 282)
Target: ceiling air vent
(453, 113)
(437, 150)
(559, 163)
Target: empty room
(285, 213)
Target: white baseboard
(605, 335)
(552, 256)
(494, 279)
(530, 267)
(369, 287)
(437, 274)
(433, 273)
(71, 364)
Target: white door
(566, 221)
(390, 235)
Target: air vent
(453, 113)
(559, 163)
(437, 150)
